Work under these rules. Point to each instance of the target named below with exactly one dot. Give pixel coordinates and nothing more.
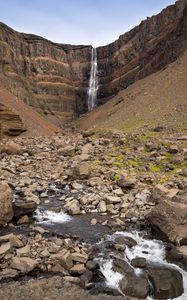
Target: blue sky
(93, 22)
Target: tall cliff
(54, 78)
(147, 48)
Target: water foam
(49, 217)
(151, 250)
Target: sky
(88, 22)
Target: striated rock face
(54, 78)
(147, 48)
(10, 123)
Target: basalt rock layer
(147, 48)
(54, 78)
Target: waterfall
(93, 84)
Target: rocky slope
(54, 78)
(106, 183)
(17, 117)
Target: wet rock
(93, 222)
(24, 264)
(73, 207)
(124, 240)
(6, 198)
(23, 220)
(121, 266)
(92, 265)
(167, 283)
(177, 255)
(134, 286)
(139, 262)
(22, 208)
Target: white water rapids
(93, 84)
(151, 250)
(49, 217)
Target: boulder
(139, 262)
(102, 207)
(81, 171)
(8, 273)
(135, 286)
(64, 258)
(121, 266)
(78, 257)
(78, 269)
(113, 199)
(73, 207)
(169, 221)
(126, 183)
(125, 240)
(5, 248)
(12, 148)
(6, 198)
(68, 150)
(22, 208)
(24, 264)
(167, 283)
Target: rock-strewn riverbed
(61, 196)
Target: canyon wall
(147, 48)
(54, 78)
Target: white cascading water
(151, 250)
(50, 217)
(93, 84)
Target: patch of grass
(119, 164)
(116, 177)
(155, 168)
(134, 163)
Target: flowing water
(152, 250)
(93, 84)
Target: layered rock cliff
(147, 48)
(54, 78)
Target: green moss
(116, 177)
(119, 164)
(97, 162)
(134, 163)
(155, 168)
